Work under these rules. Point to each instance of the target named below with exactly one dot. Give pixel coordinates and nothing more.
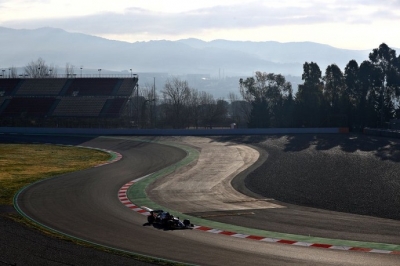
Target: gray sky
(358, 24)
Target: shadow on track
(161, 227)
(383, 148)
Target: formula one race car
(166, 220)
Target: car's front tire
(186, 222)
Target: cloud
(136, 20)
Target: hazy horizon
(356, 25)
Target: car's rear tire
(186, 222)
(150, 219)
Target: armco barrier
(169, 132)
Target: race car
(166, 220)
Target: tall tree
(39, 69)
(194, 108)
(369, 79)
(335, 96)
(334, 85)
(221, 112)
(351, 76)
(288, 110)
(259, 116)
(269, 89)
(309, 97)
(176, 95)
(385, 60)
(311, 74)
(276, 95)
(353, 92)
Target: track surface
(85, 205)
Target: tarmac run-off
(205, 185)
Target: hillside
(189, 56)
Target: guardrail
(170, 132)
(382, 132)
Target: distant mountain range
(188, 56)
(220, 60)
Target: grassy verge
(23, 164)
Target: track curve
(84, 205)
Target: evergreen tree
(353, 93)
(368, 80)
(334, 96)
(385, 61)
(309, 97)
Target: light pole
(99, 71)
(9, 73)
(50, 70)
(131, 71)
(137, 104)
(81, 71)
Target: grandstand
(67, 102)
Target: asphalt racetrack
(85, 204)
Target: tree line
(365, 95)
(179, 106)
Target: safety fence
(171, 132)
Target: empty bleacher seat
(113, 107)
(80, 106)
(28, 107)
(92, 86)
(2, 99)
(43, 86)
(127, 87)
(7, 86)
(81, 100)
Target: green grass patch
(23, 164)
